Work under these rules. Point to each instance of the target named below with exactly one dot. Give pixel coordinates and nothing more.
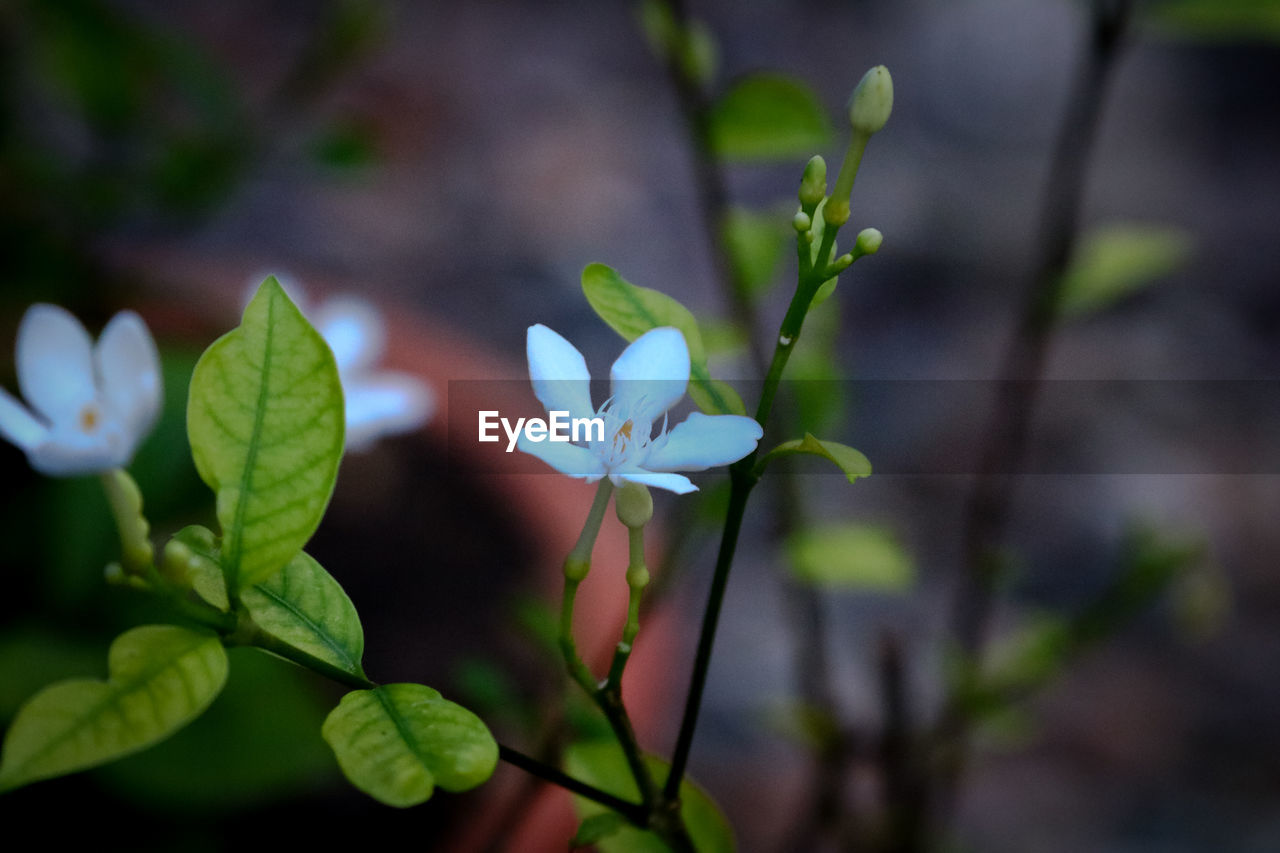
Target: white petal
(677, 483)
(564, 457)
(559, 373)
(17, 425)
(71, 451)
(353, 329)
(129, 375)
(704, 441)
(384, 404)
(651, 374)
(55, 365)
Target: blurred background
(460, 163)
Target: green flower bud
(801, 222)
(813, 186)
(637, 577)
(868, 243)
(841, 263)
(576, 568)
(872, 101)
(633, 504)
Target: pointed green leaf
(398, 741)
(768, 117)
(601, 763)
(631, 310)
(848, 460)
(160, 678)
(191, 559)
(265, 419)
(850, 557)
(304, 606)
(1117, 261)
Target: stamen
(89, 418)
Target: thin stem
(637, 580)
(634, 812)
(988, 507)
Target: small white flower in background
(647, 379)
(378, 402)
(91, 406)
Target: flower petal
(72, 452)
(55, 363)
(564, 457)
(704, 441)
(651, 374)
(677, 483)
(129, 372)
(17, 425)
(559, 373)
(353, 329)
(384, 404)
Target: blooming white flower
(378, 402)
(91, 406)
(647, 379)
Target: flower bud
(872, 101)
(801, 222)
(813, 186)
(633, 504)
(841, 263)
(868, 242)
(576, 568)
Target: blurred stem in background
(987, 510)
(812, 677)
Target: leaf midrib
(251, 456)
(350, 664)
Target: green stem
(637, 580)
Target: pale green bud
(801, 222)
(813, 186)
(576, 568)
(868, 243)
(634, 504)
(872, 101)
(841, 263)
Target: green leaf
(304, 606)
(850, 557)
(255, 742)
(602, 763)
(265, 419)
(1117, 261)
(398, 741)
(597, 828)
(160, 678)
(1219, 20)
(693, 47)
(191, 559)
(755, 242)
(631, 311)
(848, 460)
(768, 117)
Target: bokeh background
(460, 163)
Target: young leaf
(768, 117)
(161, 677)
(398, 741)
(304, 606)
(848, 460)
(755, 242)
(265, 419)
(601, 763)
(597, 828)
(850, 557)
(631, 311)
(191, 558)
(1117, 261)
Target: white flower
(91, 406)
(378, 402)
(647, 379)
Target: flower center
(89, 418)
